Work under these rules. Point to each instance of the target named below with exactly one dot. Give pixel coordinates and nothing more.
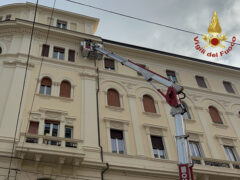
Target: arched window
(186, 115)
(65, 89)
(46, 85)
(113, 98)
(215, 115)
(148, 104)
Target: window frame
(45, 89)
(218, 113)
(70, 90)
(109, 68)
(30, 126)
(159, 150)
(8, 17)
(68, 127)
(233, 151)
(170, 77)
(51, 128)
(117, 142)
(197, 146)
(204, 81)
(119, 98)
(154, 104)
(57, 54)
(46, 52)
(230, 85)
(61, 24)
(71, 58)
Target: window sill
(152, 114)
(114, 108)
(222, 126)
(55, 97)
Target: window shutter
(228, 87)
(71, 55)
(45, 50)
(116, 134)
(109, 63)
(46, 82)
(33, 128)
(148, 104)
(157, 142)
(201, 81)
(65, 89)
(215, 115)
(113, 98)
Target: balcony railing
(50, 140)
(216, 162)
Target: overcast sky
(191, 15)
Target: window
(1, 18)
(148, 104)
(8, 17)
(117, 141)
(0, 50)
(171, 75)
(201, 82)
(158, 147)
(51, 128)
(230, 152)
(45, 50)
(68, 132)
(33, 127)
(109, 64)
(194, 149)
(58, 53)
(62, 24)
(186, 115)
(46, 85)
(71, 55)
(113, 98)
(143, 66)
(65, 89)
(215, 115)
(228, 87)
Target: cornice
(17, 63)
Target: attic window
(62, 24)
(8, 17)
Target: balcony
(216, 162)
(48, 146)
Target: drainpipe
(98, 124)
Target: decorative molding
(17, 63)
(107, 119)
(114, 108)
(153, 115)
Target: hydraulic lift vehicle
(93, 50)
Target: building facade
(89, 120)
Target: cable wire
(140, 19)
(23, 88)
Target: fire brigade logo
(214, 39)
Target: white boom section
(148, 75)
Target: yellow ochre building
(87, 120)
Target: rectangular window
(71, 55)
(117, 141)
(109, 64)
(171, 75)
(195, 149)
(68, 132)
(230, 152)
(228, 87)
(45, 90)
(158, 147)
(201, 82)
(51, 128)
(143, 66)
(33, 127)
(8, 17)
(62, 24)
(45, 50)
(58, 53)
